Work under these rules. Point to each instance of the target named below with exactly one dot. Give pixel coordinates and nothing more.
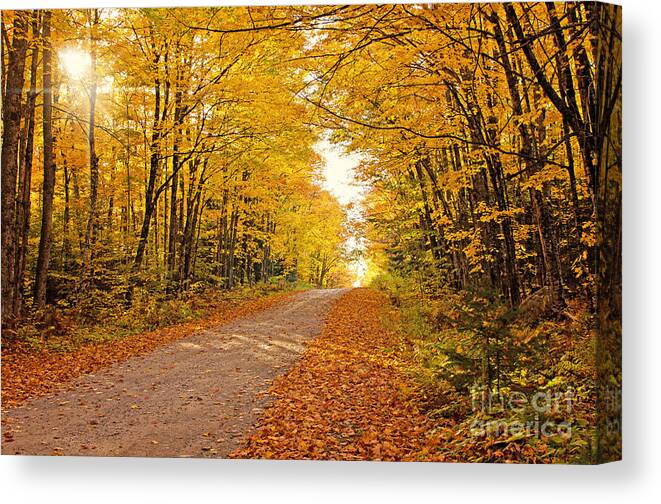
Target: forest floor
(197, 396)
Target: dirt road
(196, 397)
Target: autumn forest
(164, 184)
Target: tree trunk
(11, 123)
(25, 179)
(46, 238)
(153, 172)
(173, 229)
(90, 232)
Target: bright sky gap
(338, 173)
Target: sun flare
(75, 62)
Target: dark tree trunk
(66, 238)
(533, 160)
(25, 179)
(46, 239)
(229, 276)
(153, 172)
(173, 229)
(90, 232)
(11, 123)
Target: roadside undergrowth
(492, 386)
(34, 367)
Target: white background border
(636, 479)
